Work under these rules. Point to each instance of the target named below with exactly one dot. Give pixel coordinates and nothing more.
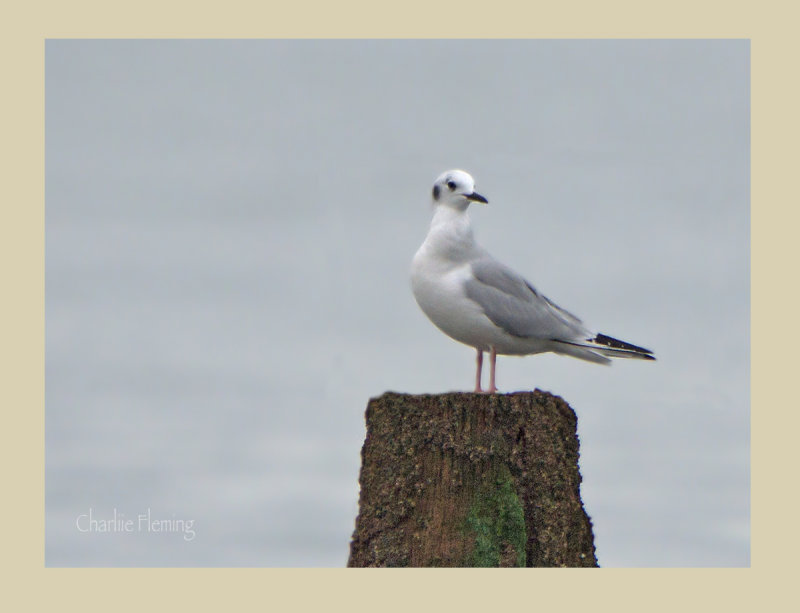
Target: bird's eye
(451, 185)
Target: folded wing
(514, 305)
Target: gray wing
(514, 304)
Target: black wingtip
(615, 343)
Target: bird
(482, 303)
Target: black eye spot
(435, 192)
(451, 185)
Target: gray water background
(229, 226)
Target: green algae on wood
(496, 521)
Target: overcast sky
(229, 228)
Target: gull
(478, 301)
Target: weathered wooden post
(471, 480)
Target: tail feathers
(594, 349)
(579, 351)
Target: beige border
(774, 52)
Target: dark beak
(476, 197)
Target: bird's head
(456, 189)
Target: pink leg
(493, 356)
(479, 361)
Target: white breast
(438, 272)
